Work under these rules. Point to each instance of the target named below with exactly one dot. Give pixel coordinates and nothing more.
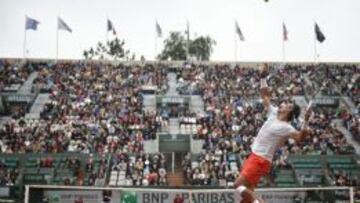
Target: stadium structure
(79, 131)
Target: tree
(175, 47)
(113, 49)
(201, 48)
(116, 49)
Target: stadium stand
(13, 74)
(92, 129)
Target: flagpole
(188, 39)
(107, 30)
(155, 48)
(283, 42)
(57, 43)
(283, 51)
(235, 46)
(24, 45)
(107, 36)
(315, 49)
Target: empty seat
(342, 166)
(114, 173)
(306, 165)
(233, 166)
(230, 184)
(194, 164)
(31, 170)
(128, 182)
(284, 179)
(112, 183)
(11, 162)
(340, 160)
(46, 170)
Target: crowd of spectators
(13, 74)
(227, 148)
(217, 168)
(72, 165)
(352, 123)
(138, 170)
(162, 119)
(286, 80)
(96, 170)
(336, 80)
(16, 136)
(325, 139)
(97, 108)
(354, 127)
(227, 136)
(189, 123)
(93, 108)
(232, 121)
(344, 178)
(43, 83)
(8, 176)
(240, 81)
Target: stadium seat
(46, 171)
(32, 162)
(112, 182)
(11, 162)
(340, 160)
(129, 182)
(194, 164)
(31, 170)
(285, 179)
(233, 166)
(114, 174)
(182, 128)
(342, 166)
(305, 163)
(121, 183)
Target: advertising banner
(82, 196)
(132, 195)
(206, 197)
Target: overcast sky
(134, 20)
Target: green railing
(30, 171)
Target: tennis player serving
(272, 135)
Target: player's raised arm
(264, 89)
(300, 135)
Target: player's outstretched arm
(264, 89)
(304, 132)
